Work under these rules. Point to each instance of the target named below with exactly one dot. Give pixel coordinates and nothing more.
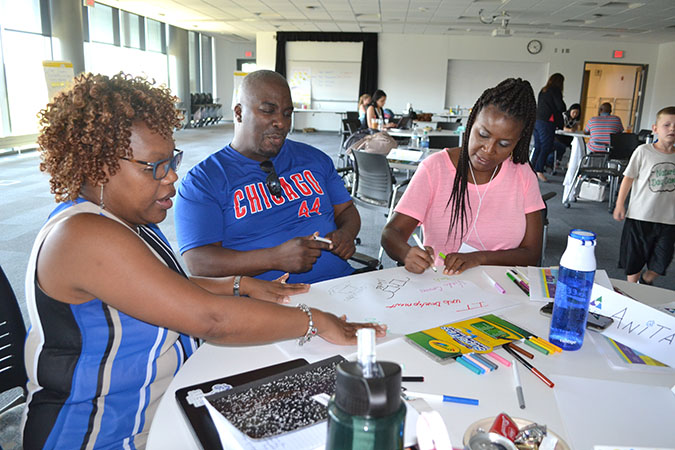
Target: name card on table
(641, 327)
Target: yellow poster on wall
(300, 82)
(58, 76)
(238, 79)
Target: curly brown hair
(87, 128)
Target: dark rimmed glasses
(160, 168)
(272, 181)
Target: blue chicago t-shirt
(225, 199)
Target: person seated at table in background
(550, 106)
(111, 310)
(364, 101)
(648, 235)
(571, 119)
(600, 127)
(254, 207)
(375, 112)
(483, 195)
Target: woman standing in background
(550, 106)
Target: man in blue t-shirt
(254, 207)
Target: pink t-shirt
(500, 224)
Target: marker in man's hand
(321, 239)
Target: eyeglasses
(272, 181)
(160, 168)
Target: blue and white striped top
(95, 374)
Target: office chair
(349, 127)
(452, 126)
(12, 336)
(375, 185)
(352, 115)
(607, 165)
(450, 141)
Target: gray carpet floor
(25, 202)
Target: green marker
(441, 254)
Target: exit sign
(248, 54)
(89, 3)
(618, 54)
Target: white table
(397, 132)
(573, 372)
(576, 154)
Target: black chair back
(452, 126)
(644, 134)
(449, 141)
(352, 115)
(373, 182)
(12, 337)
(622, 145)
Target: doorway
(621, 85)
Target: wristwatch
(235, 286)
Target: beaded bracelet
(311, 329)
(235, 286)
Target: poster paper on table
(404, 301)
(641, 327)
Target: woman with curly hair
(112, 312)
(479, 204)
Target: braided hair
(514, 97)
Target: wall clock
(534, 46)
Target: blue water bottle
(573, 291)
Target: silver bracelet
(311, 329)
(235, 286)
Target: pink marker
(499, 359)
(478, 363)
(496, 285)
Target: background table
(591, 403)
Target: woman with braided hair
(113, 315)
(479, 204)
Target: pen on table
(496, 285)
(518, 283)
(442, 398)
(321, 239)
(410, 379)
(519, 350)
(529, 367)
(419, 244)
(519, 387)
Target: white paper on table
(628, 414)
(310, 438)
(404, 301)
(636, 325)
(538, 291)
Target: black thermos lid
(368, 397)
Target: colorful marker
(518, 283)
(499, 359)
(469, 365)
(412, 379)
(442, 398)
(419, 244)
(486, 361)
(519, 350)
(536, 346)
(546, 344)
(494, 284)
(475, 360)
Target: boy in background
(648, 235)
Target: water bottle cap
(582, 235)
(368, 397)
